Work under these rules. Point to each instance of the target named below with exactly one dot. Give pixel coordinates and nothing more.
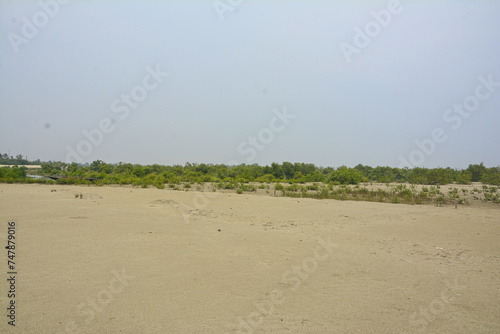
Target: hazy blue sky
(358, 85)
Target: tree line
(287, 172)
(19, 159)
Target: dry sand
(129, 260)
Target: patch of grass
(440, 200)
(313, 186)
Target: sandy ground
(129, 260)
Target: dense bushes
(345, 175)
(11, 175)
(292, 173)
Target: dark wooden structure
(56, 177)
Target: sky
(389, 83)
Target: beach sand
(132, 260)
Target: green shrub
(344, 175)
